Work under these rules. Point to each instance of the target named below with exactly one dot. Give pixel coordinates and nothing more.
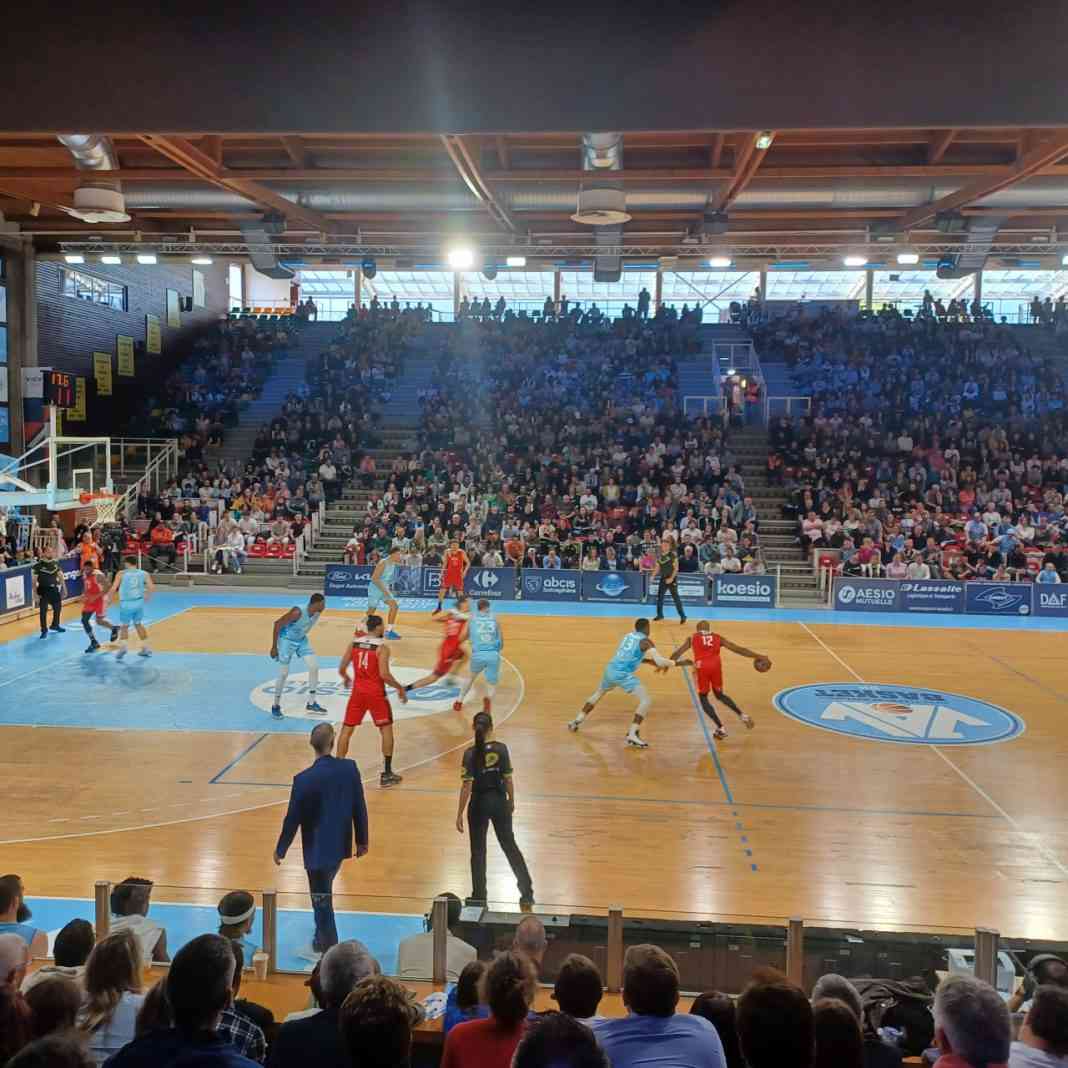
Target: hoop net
(98, 508)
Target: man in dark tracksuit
(668, 563)
(51, 586)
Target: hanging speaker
(369, 268)
(489, 272)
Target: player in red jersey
(369, 655)
(96, 586)
(455, 567)
(708, 667)
(451, 654)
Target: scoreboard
(59, 389)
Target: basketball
(762, 663)
(85, 497)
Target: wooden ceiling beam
(296, 150)
(936, 147)
(1047, 152)
(213, 146)
(715, 152)
(187, 155)
(503, 154)
(466, 166)
(747, 159)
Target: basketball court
(899, 776)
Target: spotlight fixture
(201, 261)
(516, 261)
(147, 258)
(763, 140)
(1064, 261)
(110, 259)
(461, 258)
(74, 257)
(908, 258)
(719, 261)
(855, 261)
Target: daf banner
(347, 580)
(623, 587)
(692, 589)
(744, 591)
(1051, 599)
(998, 598)
(866, 595)
(931, 595)
(547, 584)
(493, 583)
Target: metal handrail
(803, 404)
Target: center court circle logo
(888, 712)
(427, 701)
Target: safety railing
(790, 407)
(703, 406)
(308, 536)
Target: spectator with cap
(199, 988)
(775, 1028)
(877, 1053)
(70, 951)
(130, 901)
(415, 955)
(316, 1039)
(578, 989)
(1043, 1038)
(973, 1028)
(15, 1018)
(653, 1031)
(11, 905)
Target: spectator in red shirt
(510, 984)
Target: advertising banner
(866, 595)
(693, 589)
(153, 335)
(619, 586)
(124, 349)
(547, 584)
(931, 595)
(347, 580)
(102, 373)
(744, 591)
(430, 581)
(76, 412)
(16, 588)
(71, 566)
(493, 583)
(1051, 600)
(998, 598)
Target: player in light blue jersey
(635, 648)
(487, 641)
(380, 591)
(132, 589)
(290, 639)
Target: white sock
(279, 686)
(467, 688)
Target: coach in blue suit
(326, 803)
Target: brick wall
(71, 330)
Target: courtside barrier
(548, 584)
(693, 588)
(948, 597)
(623, 587)
(493, 583)
(16, 589)
(743, 591)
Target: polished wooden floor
(834, 829)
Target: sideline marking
(1036, 842)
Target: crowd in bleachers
(559, 444)
(932, 449)
(94, 1003)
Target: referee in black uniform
(668, 562)
(488, 794)
(51, 586)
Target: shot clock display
(59, 389)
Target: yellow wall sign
(102, 373)
(76, 413)
(153, 335)
(174, 317)
(124, 346)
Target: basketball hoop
(98, 508)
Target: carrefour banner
(931, 595)
(347, 580)
(1051, 600)
(547, 584)
(998, 598)
(744, 591)
(618, 586)
(493, 583)
(692, 589)
(866, 595)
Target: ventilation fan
(97, 204)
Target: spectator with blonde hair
(112, 995)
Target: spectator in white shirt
(130, 902)
(918, 570)
(352, 550)
(415, 955)
(112, 995)
(897, 568)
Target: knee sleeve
(279, 686)
(313, 671)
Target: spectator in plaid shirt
(235, 1026)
